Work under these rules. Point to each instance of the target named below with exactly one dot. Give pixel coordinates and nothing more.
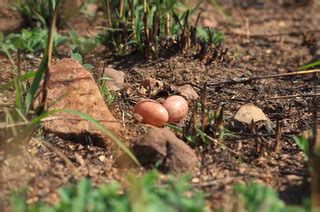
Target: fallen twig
(272, 35)
(246, 79)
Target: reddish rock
(161, 145)
(70, 86)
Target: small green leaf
(87, 66)
(77, 57)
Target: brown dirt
(262, 39)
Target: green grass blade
(310, 65)
(18, 96)
(36, 83)
(24, 77)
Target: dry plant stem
(107, 7)
(120, 8)
(273, 35)
(246, 80)
(290, 96)
(49, 55)
(258, 146)
(204, 106)
(167, 26)
(218, 124)
(278, 141)
(185, 37)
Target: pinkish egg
(177, 108)
(152, 112)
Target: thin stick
(291, 96)
(245, 80)
(109, 22)
(278, 140)
(272, 35)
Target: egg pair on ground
(173, 109)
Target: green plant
(208, 35)
(152, 27)
(310, 65)
(80, 44)
(205, 125)
(26, 41)
(311, 149)
(108, 96)
(78, 57)
(6, 47)
(144, 194)
(256, 197)
(304, 145)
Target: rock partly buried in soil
(162, 146)
(116, 81)
(188, 92)
(248, 113)
(70, 86)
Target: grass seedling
(108, 96)
(79, 58)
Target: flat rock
(249, 112)
(116, 81)
(188, 92)
(160, 147)
(70, 86)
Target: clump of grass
(205, 125)
(257, 197)
(154, 28)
